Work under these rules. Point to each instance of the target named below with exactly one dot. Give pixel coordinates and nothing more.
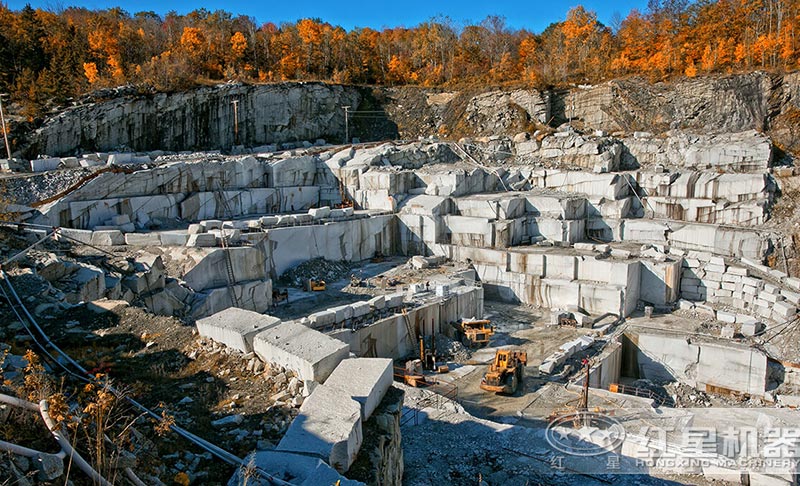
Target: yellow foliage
(115, 66)
(193, 40)
(691, 70)
(238, 45)
(90, 70)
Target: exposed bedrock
(289, 112)
(201, 119)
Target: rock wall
(714, 103)
(277, 113)
(380, 461)
(201, 119)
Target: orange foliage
(192, 40)
(238, 45)
(670, 39)
(90, 70)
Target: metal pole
(235, 121)
(346, 124)
(5, 133)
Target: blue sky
(534, 15)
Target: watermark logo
(584, 433)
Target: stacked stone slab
(191, 190)
(356, 313)
(706, 197)
(735, 152)
(554, 278)
(708, 278)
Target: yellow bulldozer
(506, 372)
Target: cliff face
(201, 119)
(277, 113)
(715, 104)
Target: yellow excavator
(506, 372)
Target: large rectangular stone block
(311, 354)
(235, 327)
(328, 426)
(366, 380)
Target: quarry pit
(649, 266)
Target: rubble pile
(36, 187)
(318, 268)
(686, 396)
(451, 350)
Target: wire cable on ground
(86, 377)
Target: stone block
(342, 312)
(730, 278)
(617, 253)
(328, 426)
(725, 316)
(783, 309)
(377, 303)
(792, 297)
(202, 240)
(723, 293)
(792, 282)
(211, 224)
(174, 238)
(235, 327)
(268, 220)
(143, 239)
(365, 380)
(741, 271)
(311, 354)
(43, 165)
(547, 367)
(322, 319)
(196, 228)
(394, 300)
(752, 328)
(108, 238)
(320, 213)
(753, 282)
(360, 309)
(744, 319)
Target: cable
(27, 249)
(202, 443)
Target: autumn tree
(51, 56)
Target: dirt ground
(165, 365)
